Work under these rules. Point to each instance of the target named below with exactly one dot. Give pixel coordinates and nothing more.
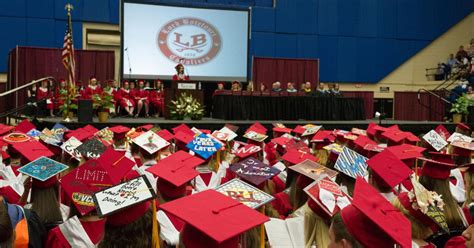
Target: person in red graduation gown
(44, 93)
(180, 75)
(84, 232)
(156, 98)
(140, 96)
(125, 98)
(92, 89)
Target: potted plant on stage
(186, 107)
(103, 103)
(460, 108)
(69, 103)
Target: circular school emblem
(192, 39)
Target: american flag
(68, 54)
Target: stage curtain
(269, 70)
(241, 107)
(29, 63)
(407, 107)
(368, 97)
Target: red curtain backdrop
(407, 107)
(28, 63)
(269, 70)
(368, 100)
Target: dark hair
(6, 229)
(340, 231)
(135, 234)
(45, 203)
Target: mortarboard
(281, 130)
(299, 130)
(213, 219)
(442, 157)
(362, 141)
(406, 151)
(24, 126)
(82, 182)
(435, 169)
(435, 140)
(373, 221)
(116, 164)
(92, 148)
(145, 127)
(165, 134)
(255, 136)
(310, 129)
(233, 128)
(411, 138)
(326, 197)
(106, 136)
(395, 136)
(294, 156)
(389, 168)
(459, 137)
(313, 170)
(174, 172)
(150, 142)
(281, 141)
(463, 127)
(70, 146)
(324, 136)
(371, 129)
(13, 138)
(5, 129)
(245, 193)
(257, 127)
(119, 131)
(31, 150)
(463, 149)
(183, 128)
(442, 131)
(254, 171)
(184, 137)
(204, 145)
(351, 163)
(42, 168)
(359, 131)
(34, 133)
(225, 130)
(247, 150)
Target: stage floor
(416, 127)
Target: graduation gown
(176, 78)
(140, 94)
(44, 93)
(125, 98)
(76, 233)
(90, 91)
(157, 100)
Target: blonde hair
(315, 229)
(469, 186)
(418, 229)
(322, 155)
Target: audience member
(290, 87)
(470, 50)
(276, 87)
(461, 54)
(469, 93)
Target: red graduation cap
(442, 157)
(145, 127)
(128, 215)
(435, 169)
(281, 141)
(247, 150)
(406, 151)
(362, 141)
(299, 130)
(174, 172)
(258, 128)
(371, 129)
(213, 219)
(442, 131)
(463, 149)
(116, 164)
(5, 129)
(463, 127)
(282, 130)
(412, 139)
(24, 126)
(395, 136)
(32, 150)
(295, 156)
(91, 129)
(373, 221)
(165, 134)
(119, 131)
(183, 128)
(389, 168)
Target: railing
(24, 86)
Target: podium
(178, 87)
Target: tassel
(262, 230)
(155, 240)
(218, 160)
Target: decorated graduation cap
(435, 141)
(247, 150)
(245, 193)
(459, 137)
(255, 136)
(5, 129)
(254, 171)
(91, 148)
(362, 141)
(13, 138)
(150, 142)
(388, 169)
(463, 127)
(326, 197)
(116, 164)
(204, 145)
(313, 170)
(24, 126)
(106, 136)
(442, 131)
(435, 169)
(31, 150)
(351, 163)
(43, 171)
(213, 219)
(225, 134)
(81, 183)
(296, 156)
(463, 149)
(70, 145)
(425, 206)
(119, 131)
(359, 131)
(373, 221)
(258, 128)
(174, 172)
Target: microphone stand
(129, 66)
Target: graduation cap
(213, 219)
(254, 171)
(255, 136)
(372, 220)
(324, 136)
(34, 133)
(245, 193)
(313, 170)
(166, 135)
(31, 150)
(183, 128)
(395, 136)
(463, 127)
(390, 169)
(5, 129)
(435, 140)
(435, 169)
(351, 163)
(247, 150)
(119, 131)
(459, 137)
(406, 151)
(442, 131)
(326, 196)
(24, 126)
(13, 138)
(257, 127)
(310, 129)
(297, 156)
(280, 130)
(359, 131)
(122, 198)
(204, 145)
(174, 172)
(334, 147)
(116, 164)
(233, 128)
(463, 149)
(82, 182)
(151, 142)
(442, 157)
(223, 132)
(299, 130)
(92, 148)
(82, 133)
(70, 147)
(43, 168)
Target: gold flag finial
(69, 7)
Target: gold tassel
(155, 240)
(218, 160)
(262, 230)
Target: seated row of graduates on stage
(132, 98)
(277, 89)
(405, 197)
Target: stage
(417, 127)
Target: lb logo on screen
(194, 40)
